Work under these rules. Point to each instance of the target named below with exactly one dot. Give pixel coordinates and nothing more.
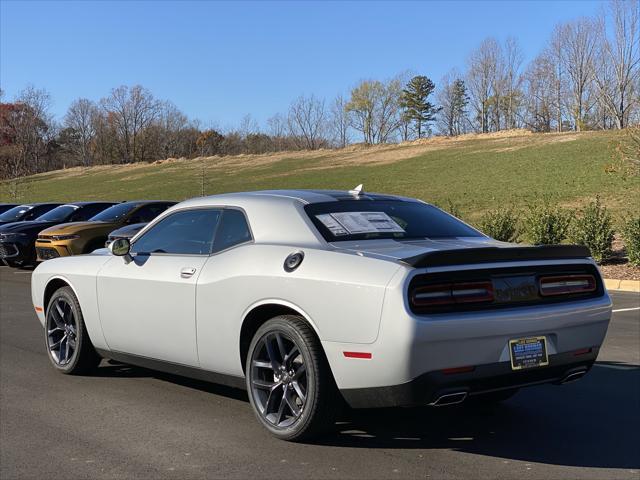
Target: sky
(218, 61)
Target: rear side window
(374, 219)
(233, 230)
(188, 233)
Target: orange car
(84, 237)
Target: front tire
(290, 386)
(68, 345)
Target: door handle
(187, 272)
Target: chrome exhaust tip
(449, 399)
(573, 376)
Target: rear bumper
(428, 387)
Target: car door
(147, 300)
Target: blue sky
(218, 61)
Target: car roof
(303, 196)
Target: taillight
(452, 293)
(567, 284)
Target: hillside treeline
(587, 77)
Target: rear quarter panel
(340, 294)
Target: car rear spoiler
(466, 256)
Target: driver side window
(189, 233)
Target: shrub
(546, 225)
(452, 208)
(631, 238)
(501, 224)
(593, 229)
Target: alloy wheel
(62, 331)
(279, 379)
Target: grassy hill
(476, 172)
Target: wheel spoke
(62, 350)
(60, 310)
(267, 385)
(57, 317)
(281, 347)
(66, 350)
(270, 399)
(291, 355)
(54, 329)
(272, 355)
(299, 392)
(57, 344)
(262, 364)
(283, 402)
(72, 342)
(292, 405)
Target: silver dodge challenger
(310, 298)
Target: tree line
(586, 77)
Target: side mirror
(120, 247)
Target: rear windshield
(364, 220)
(58, 214)
(16, 213)
(115, 213)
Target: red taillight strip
(567, 284)
(365, 355)
(452, 293)
(582, 351)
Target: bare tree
(512, 80)
(340, 121)
(131, 110)
(618, 72)
(307, 121)
(374, 109)
(579, 40)
(539, 84)
(482, 67)
(32, 124)
(80, 118)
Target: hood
(25, 227)
(80, 227)
(459, 251)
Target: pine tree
(415, 103)
(459, 102)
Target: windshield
(58, 214)
(16, 213)
(401, 220)
(115, 213)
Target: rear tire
(290, 385)
(68, 344)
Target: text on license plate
(528, 352)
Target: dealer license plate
(528, 352)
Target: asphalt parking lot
(129, 422)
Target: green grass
(477, 174)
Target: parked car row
(36, 232)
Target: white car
(304, 297)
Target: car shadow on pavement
(593, 422)
(112, 368)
